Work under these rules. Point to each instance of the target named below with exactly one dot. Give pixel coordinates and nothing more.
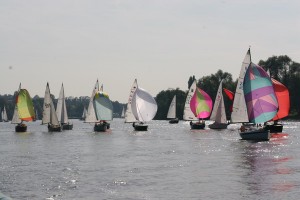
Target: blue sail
(103, 106)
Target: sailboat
(49, 114)
(218, 113)
(123, 112)
(254, 101)
(24, 110)
(141, 108)
(4, 115)
(61, 111)
(172, 112)
(198, 106)
(84, 113)
(283, 97)
(91, 115)
(104, 111)
(99, 109)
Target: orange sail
(283, 98)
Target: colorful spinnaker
(283, 97)
(259, 94)
(25, 106)
(201, 104)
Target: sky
(161, 43)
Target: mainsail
(61, 108)
(91, 115)
(172, 109)
(49, 114)
(239, 110)
(188, 115)
(218, 113)
(129, 117)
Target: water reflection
(265, 167)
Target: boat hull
(140, 127)
(101, 127)
(197, 125)
(21, 128)
(67, 126)
(256, 135)
(274, 128)
(218, 126)
(53, 128)
(174, 121)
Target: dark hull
(256, 135)
(174, 121)
(67, 126)
(274, 128)
(197, 125)
(52, 128)
(101, 127)
(140, 127)
(218, 126)
(21, 128)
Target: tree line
(281, 68)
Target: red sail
(229, 94)
(283, 97)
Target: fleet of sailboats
(259, 101)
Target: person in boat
(243, 128)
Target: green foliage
(164, 99)
(210, 85)
(286, 71)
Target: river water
(166, 162)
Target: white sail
(129, 117)
(4, 115)
(61, 108)
(188, 115)
(123, 113)
(16, 119)
(103, 106)
(84, 113)
(143, 105)
(172, 109)
(49, 114)
(91, 115)
(218, 113)
(239, 109)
